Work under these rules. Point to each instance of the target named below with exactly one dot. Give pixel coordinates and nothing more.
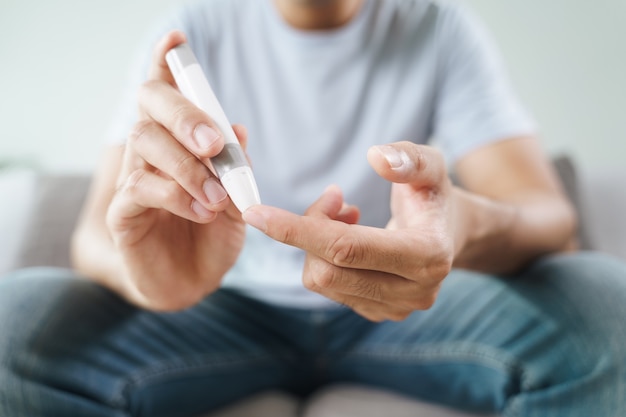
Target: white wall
(63, 64)
(566, 57)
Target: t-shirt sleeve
(476, 104)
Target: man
(391, 275)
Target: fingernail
(200, 210)
(213, 191)
(205, 136)
(255, 219)
(395, 158)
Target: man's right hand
(171, 221)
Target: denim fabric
(549, 342)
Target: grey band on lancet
(230, 158)
(185, 57)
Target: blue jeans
(550, 342)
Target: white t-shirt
(315, 101)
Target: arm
(514, 208)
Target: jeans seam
(180, 368)
(458, 351)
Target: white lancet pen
(231, 164)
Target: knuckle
(420, 161)
(344, 251)
(425, 303)
(140, 132)
(309, 282)
(184, 119)
(185, 165)
(441, 259)
(398, 315)
(170, 191)
(133, 182)
(286, 235)
(145, 89)
(440, 269)
(326, 277)
(429, 302)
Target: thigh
(547, 342)
(70, 347)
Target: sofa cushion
(604, 195)
(17, 188)
(570, 179)
(56, 206)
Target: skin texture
(159, 229)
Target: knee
(582, 268)
(36, 306)
(26, 297)
(583, 295)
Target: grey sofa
(38, 212)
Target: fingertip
(172, 39)
(407, 162)
(395, 159)
(333, 190)
(255, 217)
(159, 69)
(242, 134)
(178, 35)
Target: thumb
(406, 162)
(331, 205)
(159, 70)
(328, 205)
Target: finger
(331, 205)
(377, 315)
(328, 205)
(192, 127)
(371, 310)
(338, 243)
(130, 162)
(144, 190)
(159, 70)
(320, 276)
(155, 145)
(348, 214)
(242, 135)
(406, 162)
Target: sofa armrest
(603, 192)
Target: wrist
(481, 223)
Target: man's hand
(380, 273)
(170, 219)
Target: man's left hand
(382, 274)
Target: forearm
(93, 253)
(502, 236)
(94, 257)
